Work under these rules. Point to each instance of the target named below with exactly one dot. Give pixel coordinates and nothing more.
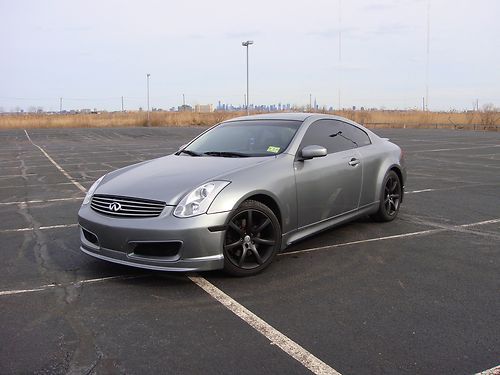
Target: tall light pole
(246, 44)
(147, 82)
(340, 47)
(427, 56)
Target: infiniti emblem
(115, 206)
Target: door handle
(353, 162)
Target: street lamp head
(247, 43)
(148, 75)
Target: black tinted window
(335, 135)
(355, 134)
(326, 133)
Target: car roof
(298, 116)
(301, 116)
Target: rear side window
(355, 134)
(335, 136)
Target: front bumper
(115, 239)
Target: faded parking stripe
(277, 338)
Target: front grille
(126, 206)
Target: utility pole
(60, 105)
(310, 102)
(340, 46)
(147, 82)
(427, 55)
(122, 104)
(423, 103)
(246, 44)
(183, 101)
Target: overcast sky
(93, 52)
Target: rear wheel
(390, 199)
(252, 239)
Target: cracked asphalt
(418, 295)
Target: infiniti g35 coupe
(240, 192)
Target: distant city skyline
(364, 53)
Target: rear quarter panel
(377, 159)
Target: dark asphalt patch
(149, 325)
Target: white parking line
(50, 173)
(17, 175)
(403, 235)
(411, 234)
(468, 185)
(451, 149)
(492, 371)
(419, 191)
(492, 221)
(125, 161)
(35, 185)
(286, 344)
(76, 183)
(40, 228)
(80, 282)
(42, 201)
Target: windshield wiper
(226, 154)
(189, 152)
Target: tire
(252, 239)
(390, 198)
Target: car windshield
(245, 138)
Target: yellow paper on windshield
(273, 149)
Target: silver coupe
(240, 192)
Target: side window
(327, 133)
(356, 135)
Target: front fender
(275, 180)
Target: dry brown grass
(487, 119)
(116, 119)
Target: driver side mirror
(314, 151)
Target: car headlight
(91, 191)
(199, 200)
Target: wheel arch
(265, 198)
(399, 172)
(383, 172)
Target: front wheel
(390, 198)
(252, 239)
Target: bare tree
(490, 116)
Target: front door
(331, 185)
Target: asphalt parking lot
(417, 295)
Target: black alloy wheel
(390, 198)
(252, 239)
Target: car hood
(171, 177)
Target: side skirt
(312, 229)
